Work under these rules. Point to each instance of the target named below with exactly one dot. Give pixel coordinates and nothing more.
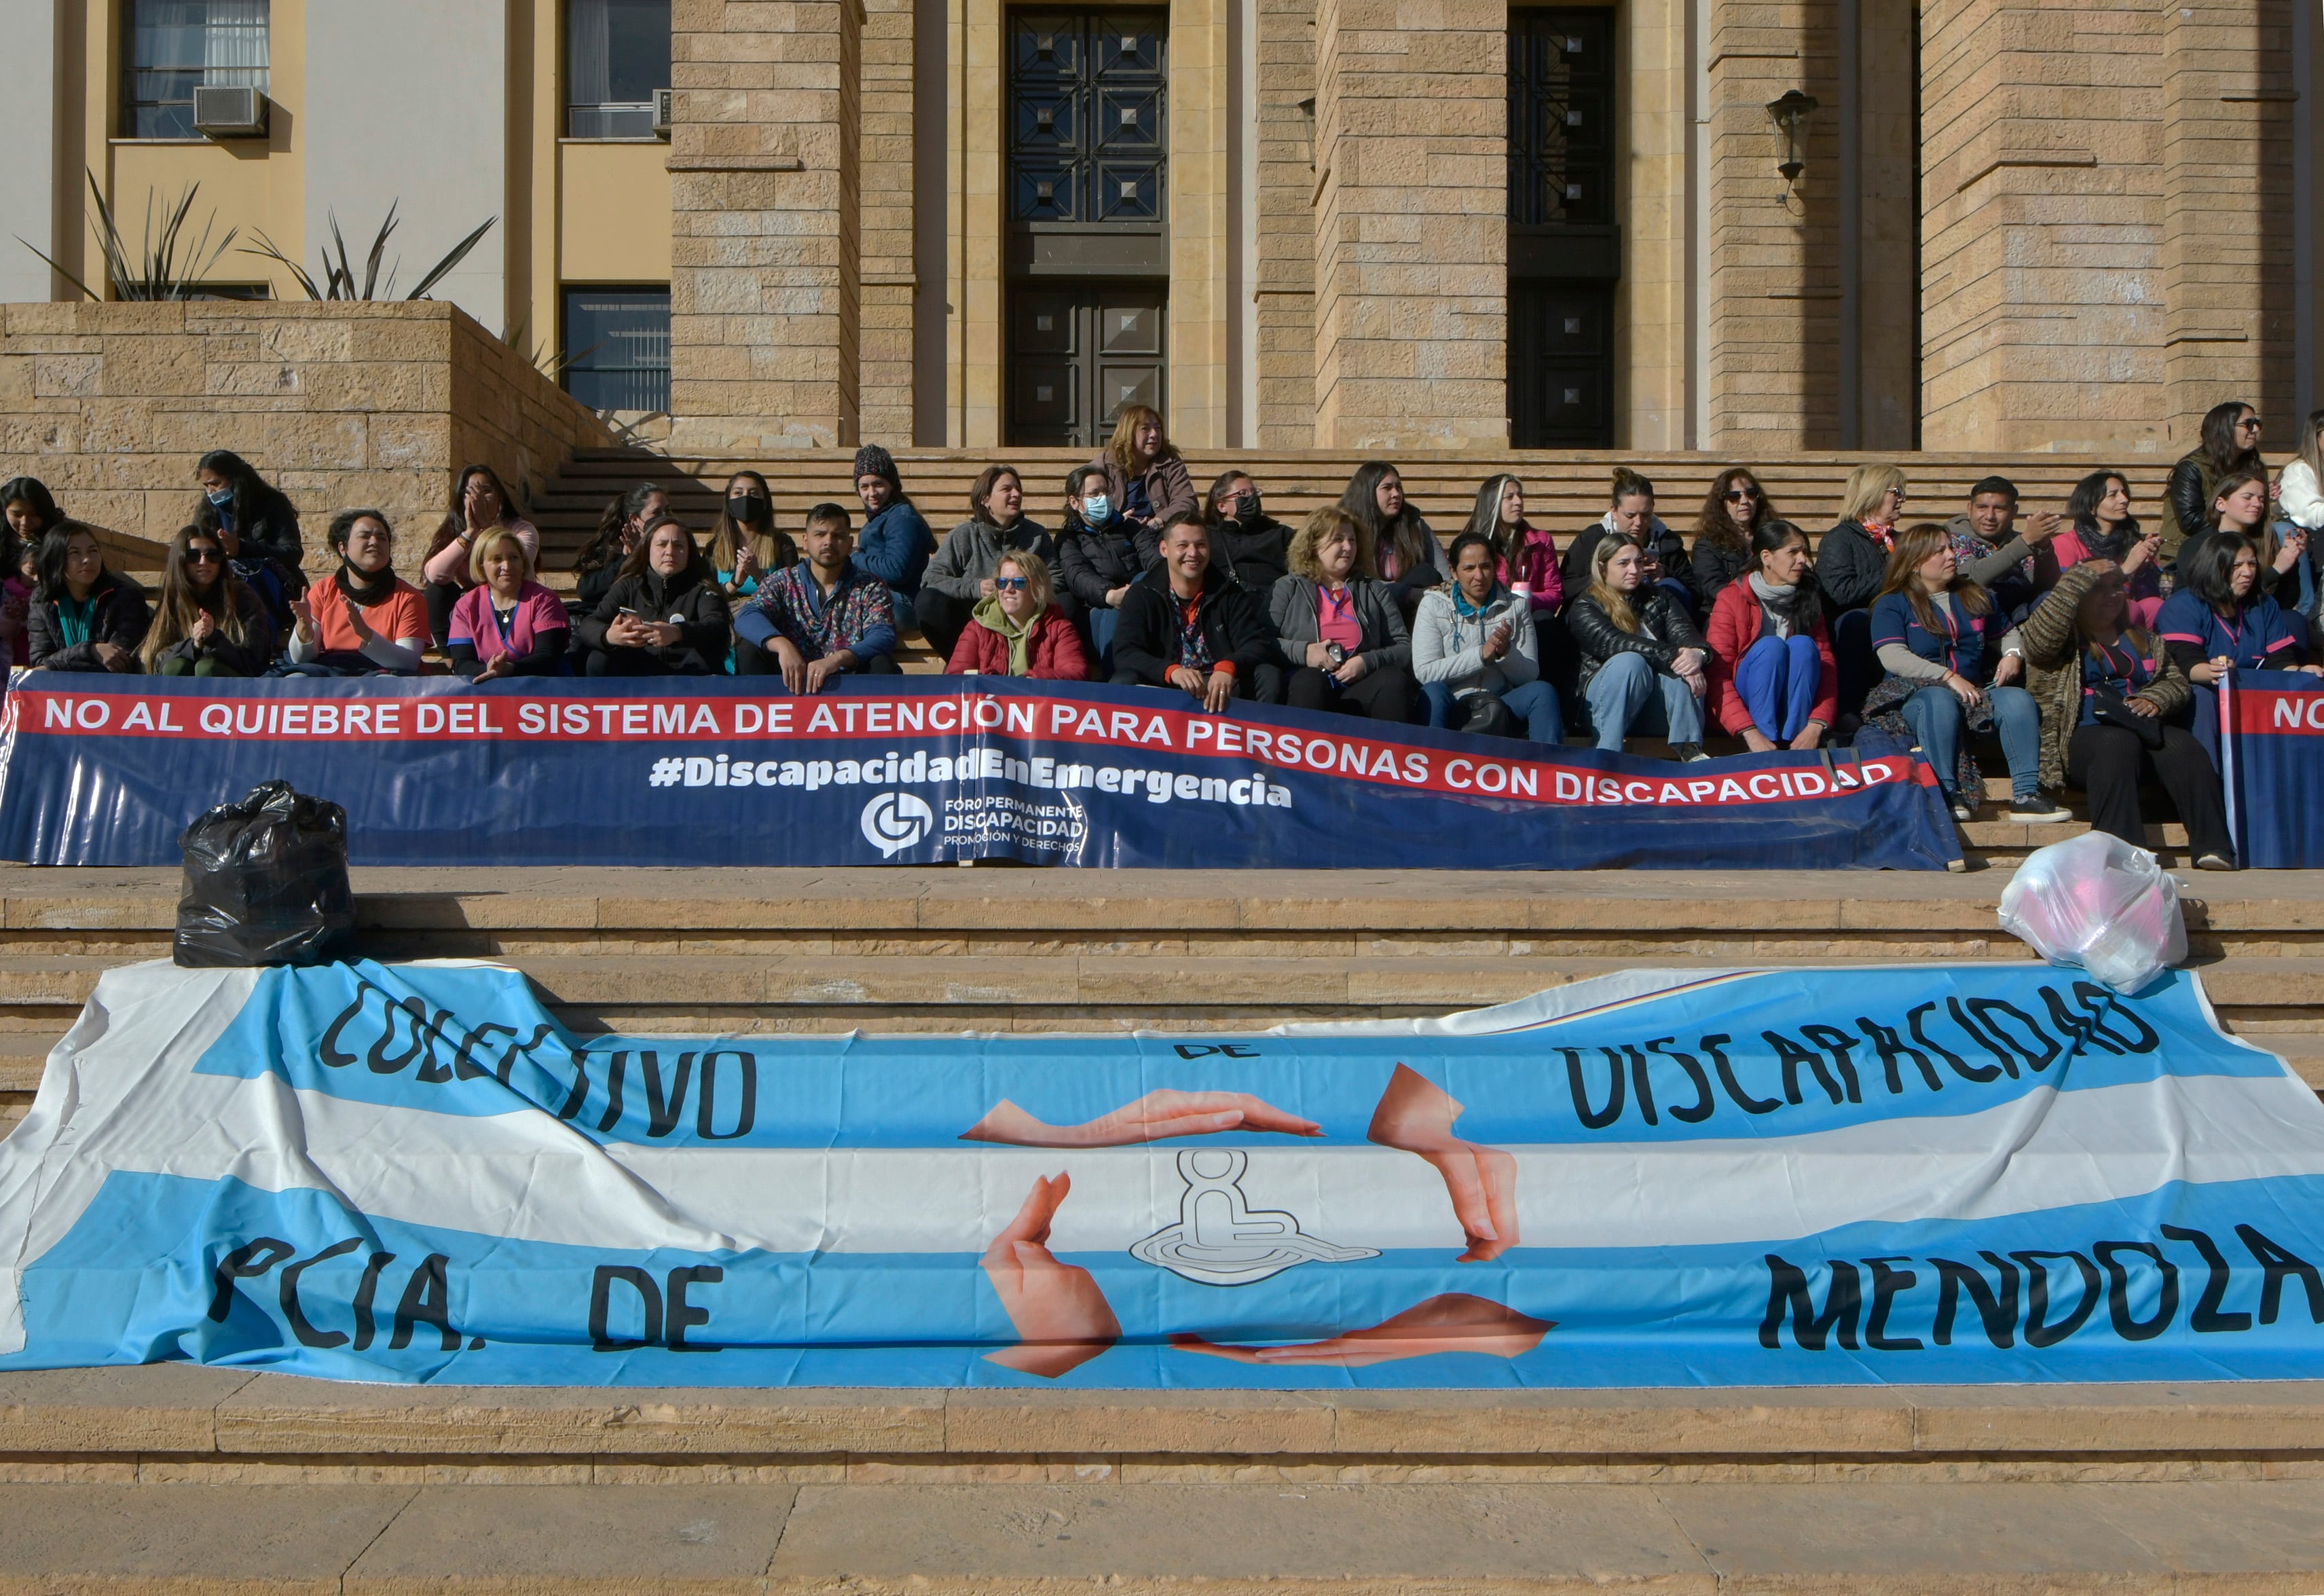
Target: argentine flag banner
(1927, 1175)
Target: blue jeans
(1936, 717)
(1776, 678)
(1535, 703)
(1629, 695)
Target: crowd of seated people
(2082, 646)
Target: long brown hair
(173, 615)
(1715, 524)
(772, 547)
(1616, 605)
(1913, 545)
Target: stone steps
(1872, 1539)
(1565, 491)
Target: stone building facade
(1381, 224)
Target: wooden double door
(1077, 354)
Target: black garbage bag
(266, 883)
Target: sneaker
(1963, 811)
(2037, 811)
(1689, 753)
(2215, 862)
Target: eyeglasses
(1010, 584)
(2248, 424)
(204, 556)
(1742, 495)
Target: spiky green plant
(166, 267)
(340, 280)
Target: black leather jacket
(1095, 563)
(1663, 629)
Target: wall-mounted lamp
(1307, 110)
(1790, 114)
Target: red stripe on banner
(2263, 711)
(774, 726)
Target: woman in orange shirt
(363, 619)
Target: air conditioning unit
(222, 113)
(665, 110)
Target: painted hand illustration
(1060, 1316)
(1452, 1323)
(1415, 1115)
(1155, 1117)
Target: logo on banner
(1221, 1240)
(895, 821)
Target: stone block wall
(339, 405)
(1287, 223)
(887, 182)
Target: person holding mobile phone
(663, 616)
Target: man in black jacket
(1189, 625)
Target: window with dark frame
(1086, 140)
(174, 47)
(619, 341)
(616, 56)
(1561, 117)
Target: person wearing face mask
(623, 522)
(363, 619)
(896, 544)
(480, 502)
(745, 545)
(959, 580)
(1773, 681)
(507, 623)
(207, 623)
(236, 499)
(1097, 552)
(83, 616)
(663, 615)
(1019, 631)
(26, 513)
(1246, 542)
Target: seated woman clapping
(1946, 677)
(1341, 633)
(1642, 659)
(664, 615)
(1774, 682)
(362, 618)
(1020, 631)
(1476, 653)
(209, 623)
(2108, 691)
(507, 623)
(83, 617)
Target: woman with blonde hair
(1938, 636)
(1145, 479)
(507, 623)
(1020, 631)
(1342, 637)
(1642, 659)
(1850, 566)
(208, 621)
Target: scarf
(1886, 536)
(1774, 602)
(366, 591)
(993, 618)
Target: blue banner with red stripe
(2272, 760)
(104, 770)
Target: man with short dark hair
(2015, 567)
(822, 616)
(1189, 625)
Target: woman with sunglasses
(209, 623)
(1735, 507)
(1020, 631)
(2228, 445)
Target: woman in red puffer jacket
(1017, 630)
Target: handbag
(2110, 708)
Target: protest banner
(105, 771)
(2272, 762)
(1917, 1174)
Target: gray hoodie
(971, 551)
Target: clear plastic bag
(266, 883)
(2096, 903)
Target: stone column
(889, 279)
(1200, 106)
(2227, 213)
(1411, 225)
(766, 280)
(1287, 223)
(2042, 291)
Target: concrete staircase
(1564, 491)
(182, 1480)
